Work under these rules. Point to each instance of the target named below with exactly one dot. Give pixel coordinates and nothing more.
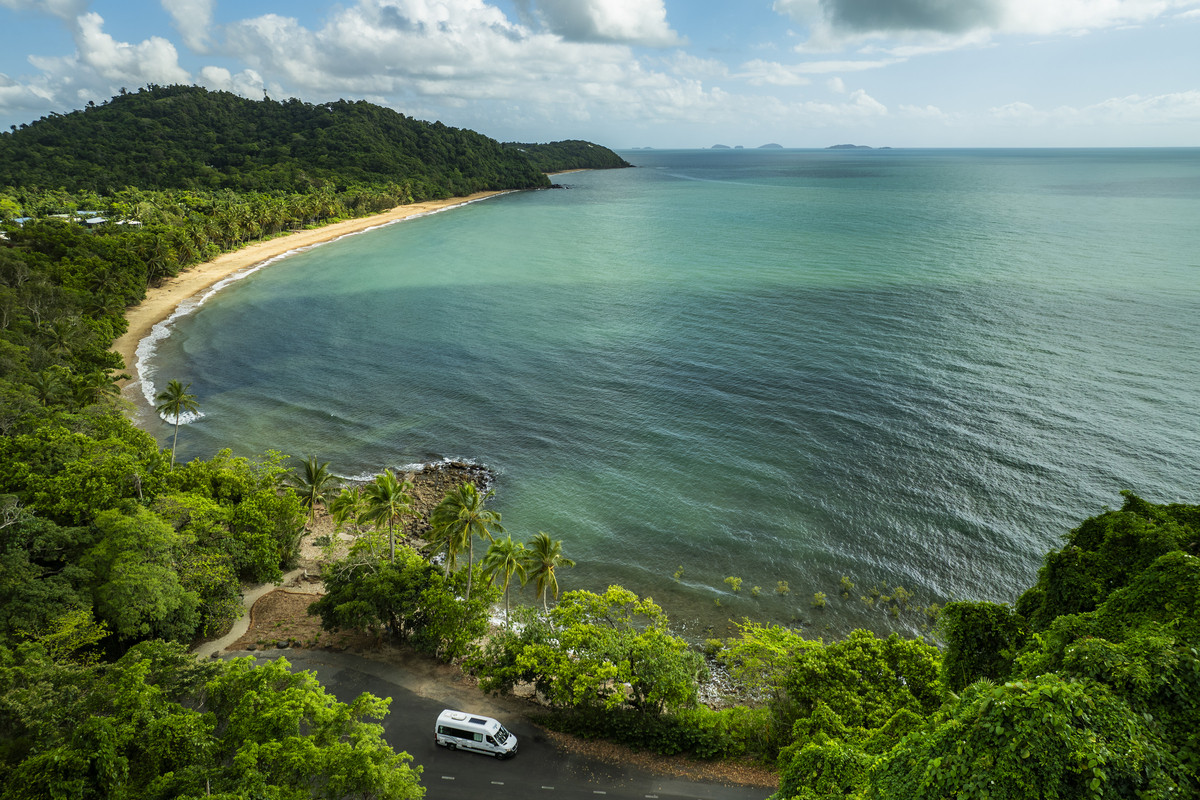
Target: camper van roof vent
(478, 721)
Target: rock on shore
(432, 482)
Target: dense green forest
(187, 137)
(114, 559)
(570, 154)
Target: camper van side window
(477, 737)
(458, 733)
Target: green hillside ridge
(187, 137)
(568, 155)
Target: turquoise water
(911, 367)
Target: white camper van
(457, 729)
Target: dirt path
(240, 626)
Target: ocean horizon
(913, 368)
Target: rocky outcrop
(433, 481)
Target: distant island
(769, 146)
(850, 147)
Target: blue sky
(658, 73)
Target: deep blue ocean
(906, 367)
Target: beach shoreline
(163, 300)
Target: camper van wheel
(451, 746)
(499, 756)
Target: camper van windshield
(502, 735)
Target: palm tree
(47, 385)
(459, 518)
(94, 387)
(544, 555)
(508, 558)
(386, 501)
(347, 506)
(441, 537)
(313, 482)
(174, 401)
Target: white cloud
(1153, 110)
(151, 61)
(96, 70)
(193, 19)
(836, 85)
(641, 22)
(954, 23)
(683, 63)
(464, 54)
(1130, 110)
(924, 112)
(913, 46)
(802, 11)
(15, 96)
(1068, 16)
(770, 73)
(246, 83)
(858, 107)
(1017, 111)
(850, 65)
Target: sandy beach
(161, 301)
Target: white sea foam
(186, 418)
(368, 476)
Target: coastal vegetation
(1086, 687)
(114, 558)
(156, 723)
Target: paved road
(539, 771)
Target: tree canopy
(177, 137)
(158, 724)
(568, 155)
(1086, 688)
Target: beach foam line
(400, 470)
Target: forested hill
(187, 137)
(570, 154)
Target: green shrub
(699, 732)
